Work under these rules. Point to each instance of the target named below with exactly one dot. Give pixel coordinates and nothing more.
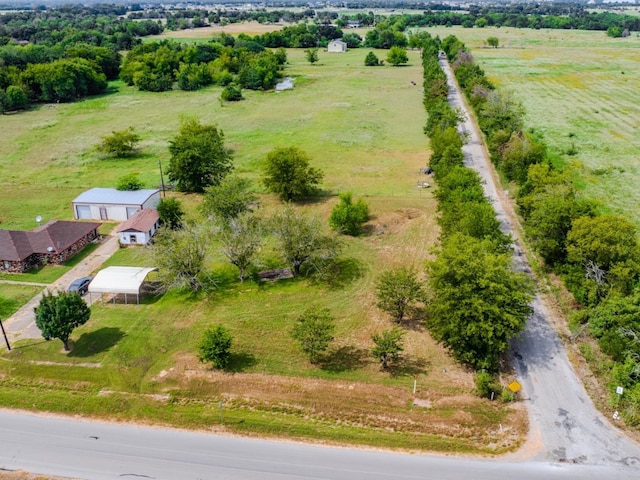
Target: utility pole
(6, 340)
(161, 179)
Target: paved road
(22, 323)
(99, 451)
(565, 426)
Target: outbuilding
(113, 204)
(337, 46)
(125, 281)
(139, 228)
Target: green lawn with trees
(142, 363)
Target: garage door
(83, 211)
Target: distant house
(140, 227)
(53, 243)
(112, 204)
(353, 24)
(337, 46)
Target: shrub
(348, 217)
(215, 346)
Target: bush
(371, 60)
(129, 182)
(486, 385)
(348, 217)
(231, 93)
(215, 346)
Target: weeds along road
(564, 424)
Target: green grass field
(578, 88)
(363, 128)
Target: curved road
(564, 424)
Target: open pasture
(363, 128)
(579, 89)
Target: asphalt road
(100, 451)
(564, 424)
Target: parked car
(80, 285)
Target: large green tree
(58, 315)
(314, 331)
(477, 302)
(609, 244)
(231, 197)
(288, 174)
(199, 157)
(388, 346)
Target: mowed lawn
(578, 88)
(363, 128)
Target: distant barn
(112, 204)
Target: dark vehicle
(80, 285)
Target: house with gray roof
(113, 204)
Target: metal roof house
(112, 204)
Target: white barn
(336, 46)
(112, 204)
(140, 227)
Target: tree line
(595, 252)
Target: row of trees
(476, 301)
(597, 254)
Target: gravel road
(565, 426)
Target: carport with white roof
(120, 280)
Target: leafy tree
(348, 217)
(314, 331)
(372, 60)
(301, 240)
(388, 346)
(58, 315)
(311, 54)
(397, 55)
(198, 157)
(231, 197)
(288, 174)
(215, 346)
(120, 143)
(231, 93)
(171, 213)
(15, 98)
(130, 182)
(241, 238)
(477, 302)
(606, 243)
(493, 42)
(501, 111)
(521, 151)
(397, 290)
(180, 256)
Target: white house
(337, 46)
(140, 227)
(112, 204)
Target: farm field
(579, 89)
(363, 127)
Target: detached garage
(127, 281)
(112, 204)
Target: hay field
(578, 88)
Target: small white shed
(113, 204)
(337, 46)
(140, 227)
